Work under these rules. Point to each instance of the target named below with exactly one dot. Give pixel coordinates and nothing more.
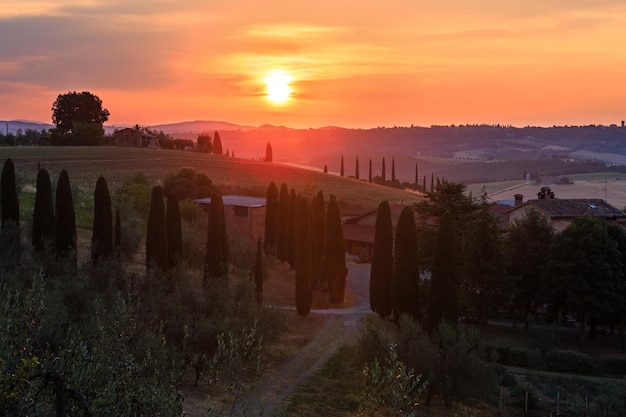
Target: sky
(350, 63)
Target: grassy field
(231, 175)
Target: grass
(231, 175)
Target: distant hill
(197, 127)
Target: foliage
(302, 258)
(173, 230)
(443, 303)
(216, 255)
(568, 361)
(268, 153)
(217, 144)
(382, 262)
(334, 257)
(189, 211)
(271, 218)
(282, 223)
(43, 212)
(188, 183)
(318, 217)
(392, 385)
(102, 237)
(72, 108)
(507, 356)
(156, 235)
(9, 204)
(406, 274)
(135, 193)
(204, 144)
(65, 221)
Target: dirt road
(341, 326)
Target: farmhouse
(135, 138)
(244, 216)
(562, 212)
(359, 231)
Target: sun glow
(277, 86)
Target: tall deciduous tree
(73, 108)
(584, 270)
(527, 246)
(268, 153)
(65, 221)
(334, 253)
(258, 273)
(174, 231)
(216, 256)
(43, 212)
(406, 275)
(217, 144)
(382, 262)
(304, 286)
(102, 234)
(156, 235)
(282, 223)
(271, 218)
(9, 203)
(443, 304)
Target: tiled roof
(582, 207)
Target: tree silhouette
(393, 169)
(9, 203)
(405, 283)
(292, 227)
(74, 108)
(334, 253)
(382, 262)
(282, 223)
(173, 229)
(304, 286)
(216, 255)
(318, 209)
(356, 170)
(102, 234)
(271, 218)
(43, 212)
(65, 222)
(268, 153)
(341, 171)
(156, 234)
(217, 144)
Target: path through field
(339, 327)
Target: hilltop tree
(203, 143)
(217, 144)
(9, 203)
(102, 234)
(268, 153)
(406, 275)
(216, 256)
(65, 221)
(443, 304)
(334, 253)
(282, 223)
(156, 235)
(258, 273)
(356, 169)
(304, 286)
(271, 218)
(341, 171)
(173, 230)
(43, 212)
(74, 108)
(382, 262)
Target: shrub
(507, 356)
(568, 361)
(189, 211)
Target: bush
(568, 361)
(507, 356)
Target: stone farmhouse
(135, 138)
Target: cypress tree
(393, 169)
(102, 235)
(356, 173)
(271, 218)
(174, 232)
(258, 273)
(334, 253)
(156, 235)
(216, 256)
(217, 144)
(9, 204)
(384, 173)
(382, 262)
(291, 229)
(118, 229)
(282, 223)
(443, 303)
(405, 283)
(304, 287)
(369, 179)
(268, 153)
(432, 182)
(65, 221)
(416, 176)
(341, 172)
(43, 212)
(319, 219)
(424, 183)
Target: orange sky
(362, 63)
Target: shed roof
(236, 200)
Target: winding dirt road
(340, 327)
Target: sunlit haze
(349, 63)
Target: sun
(277, 86)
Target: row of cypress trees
(308, 236)
(395, 273)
